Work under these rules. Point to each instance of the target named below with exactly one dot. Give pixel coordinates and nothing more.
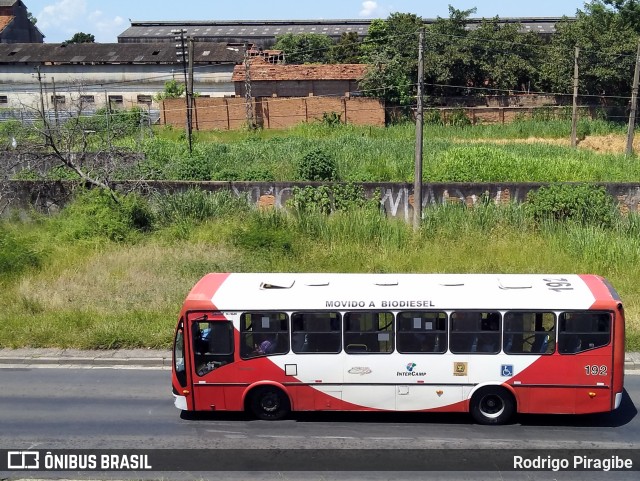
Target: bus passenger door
(212, 350)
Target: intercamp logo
(23, 460)
(411, 371)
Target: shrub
(331, 119)
(16, 255)
(458, 118)
(259, 174)
(317, 165)
(306, 199)
(582, 203)
(119, 122)
(266, 231)
(194, 168)
(327, 199)
(95, 213)
(432, 117)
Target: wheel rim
(270, 402)
(492, 406)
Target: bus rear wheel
(269, 403)
(492, 405)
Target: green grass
(469, 154)
(100, 275)
(100, 292)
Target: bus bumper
(180, 402)
(618, 400)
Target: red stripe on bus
(600, 291)
(202, 293)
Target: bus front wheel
(492, 405)
(269, 403)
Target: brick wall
(271, 112)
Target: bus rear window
(584, 330)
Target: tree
(449, 55)
(347, 50)
(502, 57)
(607, 41)
(375, 40)
(391, 48)
(172, 90)
(80, 147)
(31, 18)
(81, 37)
(305, 48)
(629, 11)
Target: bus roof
(344, 292)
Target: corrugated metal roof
(7, 3)
(268, 72)
(112, 52)
(248, 30)
(150, 31)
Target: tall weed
(96, 214)
(197, 205)
(17, 254)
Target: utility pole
(247, 88)
(417, 179)
(107, 105)
(634, 105)
(182, 54)
(55, 102)
(574, 115)
(190, 90)
(42, 112)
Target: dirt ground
(614, 144)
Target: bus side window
(528, 332)
(583, 330)
(316, 332)
(263, 334)
(368, 332)
(212, 345)
(422, 332)
(475, 332)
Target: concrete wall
(396, 198)
(272, 113)
(22, 90)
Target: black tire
(492, 405)
(270, 403)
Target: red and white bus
(488, 344)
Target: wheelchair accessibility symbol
(506, 370)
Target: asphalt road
(66, 408)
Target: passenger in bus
(268, 346)
(572, 345)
